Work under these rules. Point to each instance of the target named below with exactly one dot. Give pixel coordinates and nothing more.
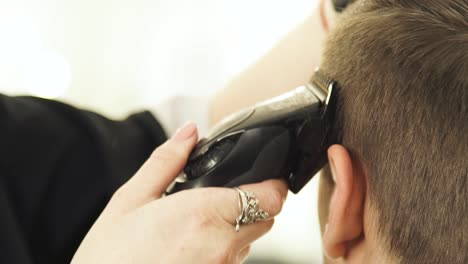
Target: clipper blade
(321, 86)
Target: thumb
(164, 165)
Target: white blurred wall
(115, 56)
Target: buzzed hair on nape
(402, 66)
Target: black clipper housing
(287, 136)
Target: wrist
(327, 13)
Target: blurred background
(119, 56)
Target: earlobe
(345, 219)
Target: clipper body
(286, 136)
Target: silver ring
(250, 210)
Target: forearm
(289, 64)
(60, 164)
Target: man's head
(399, 191)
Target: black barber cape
(59, 166)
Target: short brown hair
(403, 111)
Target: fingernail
(186, 131)
(326, 229)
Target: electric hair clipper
(286, 136)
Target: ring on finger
(250, 209)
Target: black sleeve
(58, 168)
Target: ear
(345, 219)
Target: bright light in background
(255, 26)
(26, 65)
(19, 40)
(194, 47)
(18, 36)
(47, 75)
